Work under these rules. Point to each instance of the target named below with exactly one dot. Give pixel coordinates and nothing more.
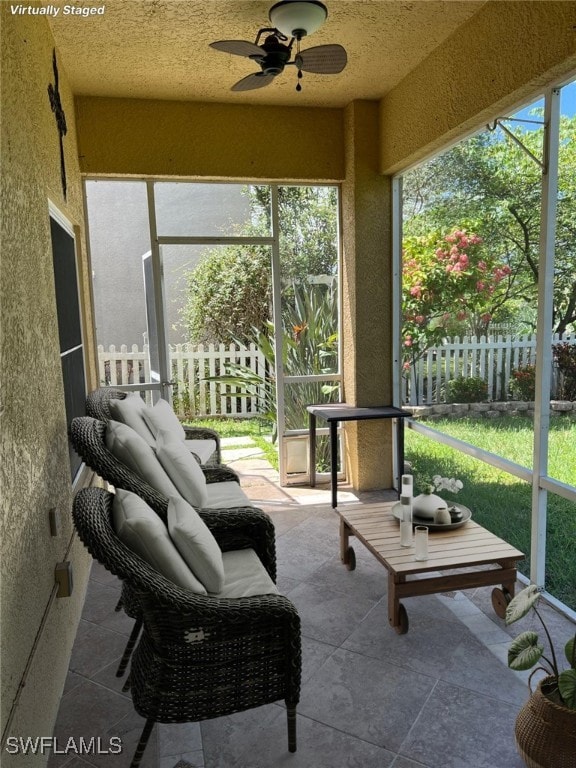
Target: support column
(366, 297)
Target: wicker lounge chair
(199, 656)
(98, 406)
(88, 438)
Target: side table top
(345, 412)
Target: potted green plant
(546, 725)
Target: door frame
(165, 383)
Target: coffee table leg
(397, 616)
(510, 585)
(501, 597)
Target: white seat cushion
(140, 528)
(202, 448)
(130, 411)
(182, 468)
(225, 495)
(245, 576)
(196, 544)
(132, 450)
(161, 417)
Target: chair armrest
(180, 608)
(243, 528)
(204, 433)
(219, 474)
(201, 433)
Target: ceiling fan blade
(238, 47)
(322, 59)
(256, 80)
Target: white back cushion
(182, 468)
(140, 528)
(130, 411)
(132, 450)
(162, 417)
(195, 542)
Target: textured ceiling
(159, 49)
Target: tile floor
(440, 696)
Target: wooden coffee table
(469, 546)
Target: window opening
(246, 286)
(69, 324)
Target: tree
(448, 277)
(308, 228)
(229, 292)
(495, 184)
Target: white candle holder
(421, 542)
(407, 486)
(406, 539)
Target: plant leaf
(569, 650)
(524, 651)
(567, 687)
(519, 606)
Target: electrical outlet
(63, 577)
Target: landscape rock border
(493, 410)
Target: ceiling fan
(292, 20)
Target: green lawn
(259, 432)
(502, 503)
(499, 502)
(512, 438)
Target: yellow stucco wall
(502, 56)
(218, 141)
(34, 461)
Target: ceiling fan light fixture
(298, 18)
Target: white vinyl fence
(492, 359)
(191, 365)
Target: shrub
(565, 358)
(471, 389)
(523, 383)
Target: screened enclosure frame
(538, 477)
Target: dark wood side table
(336, 412)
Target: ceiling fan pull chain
(298, 60)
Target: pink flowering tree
(447, 279)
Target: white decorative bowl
(426, 504)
